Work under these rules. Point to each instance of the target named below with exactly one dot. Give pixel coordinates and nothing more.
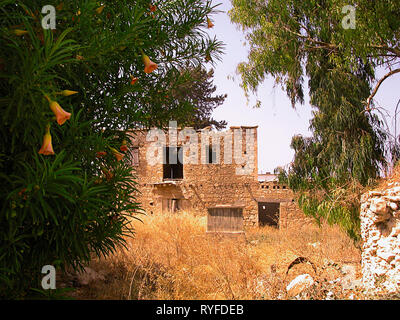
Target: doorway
(268, 214)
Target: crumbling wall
(380, 229)
(203, 185)
(210, 185)
(291, 217)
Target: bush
(68, 99)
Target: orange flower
(67, 93)
(20, 32)
(109, 175)
(47, 147)
(209, 23)
(100, 9)
(152, 7)
(118, 155)
(100, 154)
(133, 80)
(30, 13)
(21, 193)
(60, 113)
(208, 57)
(60, 6)
(123, 147)
(149, 66)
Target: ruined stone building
(210, 173)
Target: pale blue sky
(277, 121)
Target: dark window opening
(211, 155)
(268, 213)
(173, 167)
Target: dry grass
(392, 177)
(172, 257)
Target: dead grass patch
(172, 257)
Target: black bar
(202, 309)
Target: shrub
(68, 99)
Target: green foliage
(61, 209)
(345, 154)
(287, 37)
(55, 294)
(295, 40)
(197, 89)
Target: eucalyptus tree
(337, 47)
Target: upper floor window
(211, 155)
(172, 167)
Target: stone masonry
(380, 229)
(206, 185)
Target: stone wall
(380, 229)
(291, 217)
(209, 185)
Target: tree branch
(322, 45)
(377, 87)
(393, 50)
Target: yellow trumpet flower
(209, 23)
(123, 146)
(133, 79)
(20, 32)
(67, 93)
(47, 147)
(149, 66)
(60, 113)
(100, 9)
(118, 155)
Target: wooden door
(225, 220)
